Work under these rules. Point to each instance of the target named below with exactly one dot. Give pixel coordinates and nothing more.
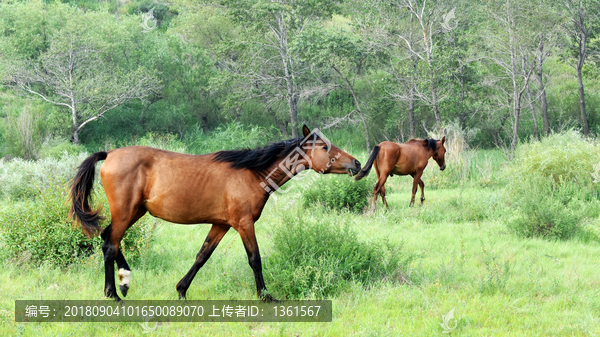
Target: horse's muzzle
(443, 167)
(352, 171)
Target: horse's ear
(443, 140)
(305, 130)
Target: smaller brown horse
(390, 158)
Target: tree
(75, 74)
(547, 25)
(583, 24)
(270, 27)
(347, 54)
(509, 49)
(427, 17)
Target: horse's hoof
(115, 297)
(124, 289)
(111, 293)
(182, 295)
(269, 299)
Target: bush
(56, 148)
(318, 257)
(339, 192)
(39, 231)
(24, 133)
(550, 183)
(21, 179)
(229, 137)
(164, 141)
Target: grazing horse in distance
(226, 189)
(391, 158)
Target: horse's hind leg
(416, 179)
(110, 253)
(379, 189)
(382, 192)
(124, 272)
(422, 185)
(112, 235)
(213, 238)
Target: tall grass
(21, 179)
(550, 183)
(464, 166)
(319, 256)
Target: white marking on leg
(124, 276)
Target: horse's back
(402, 159)
(175, 187)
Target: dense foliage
(551, 184)
(318, 258)
(185, 67)
(339, 193)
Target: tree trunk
(533, 115)
(76, 136)
(539, 78)
(362, 118)
(434, 95)
(516, 99)
(74, 121)
(411, 108)
(293, 104)
(436, 108)
(584, 120)
(545, 119)
(411, 117)
(515, 138)
(288, 72)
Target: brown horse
(226, 189)
(403, 159)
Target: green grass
(464, 257)
(498, 283)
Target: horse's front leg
(213, 238)
(246, 230)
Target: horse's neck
(428, 151)
(276, 177)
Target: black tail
(81, 189)
(367, 168)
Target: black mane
(259, 159)
(431, 144)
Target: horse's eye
(325, 148)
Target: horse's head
(440, 154)
(326, 157)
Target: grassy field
(463, 257)
(464, 260)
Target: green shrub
(164, 141)
(339, 192)
(495, 273)
(230, 137)
(39, 231)
(25, 178)
(550, 183)
(319, 256)
(58, 148)
(36, 231)
(25, 132)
